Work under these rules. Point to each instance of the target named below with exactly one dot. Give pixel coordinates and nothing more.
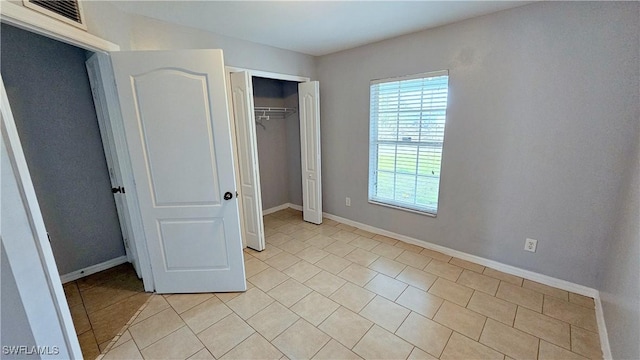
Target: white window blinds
(407, 120)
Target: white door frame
(28, 249)
(268, 74)
(236, 159)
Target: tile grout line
(86, 312)
(126, 328)
(363, 335)
(570, 338)
(84, 307)
(238, 344)
(169, 334)
(447, 343)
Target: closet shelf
(267, 113)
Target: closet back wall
(278, 144)
(50, 95)
(290, 94)
(272, 145)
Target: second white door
(247, 143)
(309, 109)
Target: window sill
(403, 208)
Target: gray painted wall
(620, 285)
(14, 327)
(56, 120)
(278, 144)
(541, 120)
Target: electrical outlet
(347, 201)
(530, 245)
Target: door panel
(187, 247)
(174, 107)
(177, 179)
(242, 96)
(309, 93)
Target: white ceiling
(314, 27)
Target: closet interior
(57, 123)
(278, 139)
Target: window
(407, 119)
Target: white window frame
(374, 142)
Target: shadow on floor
(102, 303)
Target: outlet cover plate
(530, 245)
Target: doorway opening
(51, 99)
(277, 133)
(277, 124)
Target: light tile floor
(333, 291)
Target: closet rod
(271, 110)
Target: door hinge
(126, 243)
(119, 189)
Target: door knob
(228, 195)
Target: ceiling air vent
(68, 11)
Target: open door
(309, 93)
(176, 122)
(104, 114)
(242, 99)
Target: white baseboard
(295, 207)
(281, 207)
(92, 269)
(602, 330)
(530, 275)
(275, 209)
(526, 274)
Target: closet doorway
(66, 150)
(52, 106)
(277, 143)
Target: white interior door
(243, 110)
(104, 114)
(176, 121)
(309, 93)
